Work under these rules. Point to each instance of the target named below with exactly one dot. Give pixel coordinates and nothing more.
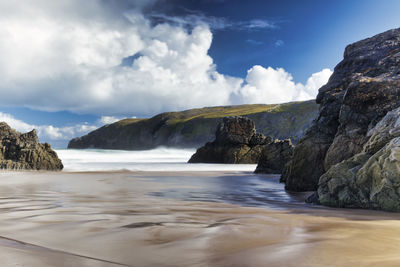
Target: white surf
(160, 159)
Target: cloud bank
(48, 133)
(67, 54)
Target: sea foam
(160, 159)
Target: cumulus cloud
(48, 132)
(67, 54)
(268, 85)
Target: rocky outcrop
(24, 152)
(236, 141)
(195, 127)
(275, 156)
(363, 88)
(371, 178)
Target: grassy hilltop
(194, 127)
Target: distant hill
(195, 127)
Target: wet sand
(181, 219)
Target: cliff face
(362, 89)
(371, 178)
(193, 128)
(23, 151)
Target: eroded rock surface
(275, 156)
(363, 88)
(236, 141)
(371, 178)
(24, 152)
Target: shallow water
(181, 219)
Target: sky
(71, 66)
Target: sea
(159, 159)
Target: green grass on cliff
(125, 122)
(219, 112)
(222, 111)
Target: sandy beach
(153, 219)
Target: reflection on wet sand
(181, 219)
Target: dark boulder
(24, 152)
(236, 142)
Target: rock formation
(23, 151)
(371, 178)
(195, 127)
(275, 156)
(236, 142)
(363, 88)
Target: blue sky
(313, 33)
(62, 71)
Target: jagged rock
(23, 151)
(260, 139)
(210, 153)
(275, 156)
(362, 89)
(371, 178)
(235, 131)
(236, 142)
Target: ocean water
(160, 159)
(226, 183)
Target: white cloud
(315, 82)
(66, 55)
(47, 132)
(258, 24)
(214, 23)
(109, 119)
(268, 85)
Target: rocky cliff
(236, 141)
(371, 178)
(23, 151)
(363, 88)
(195, 127)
